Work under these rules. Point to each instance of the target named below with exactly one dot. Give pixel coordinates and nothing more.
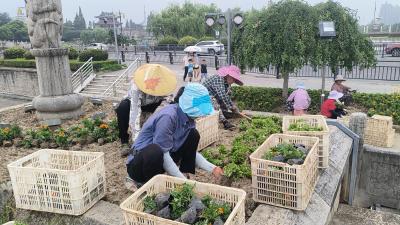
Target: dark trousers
(123, 117)
(186, 73)
(148, 162)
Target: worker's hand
(218, 172)
(235, 110)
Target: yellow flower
(44, 127)
(103, 126)
(61, 134)
(220, 211)
(6, 130)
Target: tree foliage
(4, 18)
(286, 35)
(98, 35)
(181, 20)
(79, 22)
(15, 30)
(187, 40)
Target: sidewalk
(251, 79)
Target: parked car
(393, 49)
(211, 47)
(97, 46)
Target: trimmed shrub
(168, 40)
(97, 65)
(187, 40)
(73, 53)
(97, 54)
(207, 38)
(18, 63)
(270, 100)
(14, 53)
(28, 55)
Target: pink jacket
(301, 99)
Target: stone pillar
(56, 99)
(358, 123)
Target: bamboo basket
(133, 206)
(208, 130)
(281, 184)
(315, 121)
(58, 181)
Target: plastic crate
(315, 121)
(281, 184)
(133, 206)
(208, 129)
(58, 181)
(379, 131)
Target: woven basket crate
(208, 129)
(281, 184)
(133, 206)
(316, 121)
(379, 131)
(57, 181)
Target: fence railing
(83, 76)
(379, 72)
(122, 81)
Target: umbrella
(192, 49)
(155, 79)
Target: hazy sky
(134, 9)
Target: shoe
(228, 126)
(125, 150)
(131, 185)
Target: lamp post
(115, 36)
(326, 31)
(227, 18)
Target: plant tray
(281, 184)
(312, 120)
(208, 129)
(133, 206)
(58, 181)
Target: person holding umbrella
(219, 87)
(170, 137)
(190, 54)
(150, 85)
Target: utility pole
(229, 19)
(116, 39)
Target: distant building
(135, 31)
(21, 14)
(106, 20)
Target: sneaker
(130, 184)
(125, 150)
(228, 125)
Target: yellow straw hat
(155, 79)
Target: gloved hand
(235, 109)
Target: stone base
(58, 107)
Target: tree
(4, 18)
(17, 29)
(90, 26)
(181, 20)
(87, 36)
(100, 35)
(5, 33)
(282, 35)
(70, 33)
(79, 21)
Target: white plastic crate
(57, 181)
(208, 130)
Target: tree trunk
(285, 86)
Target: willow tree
(349, 48)
(282, 35)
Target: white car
(211, 47)
(98, 46)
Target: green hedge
(74, 64)
(97, 65)
(28, 55)
(270, 100)
(14, 53)
(73, 53)
(18, 63)
(187, 40)
(97, 54)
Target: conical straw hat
(155, 79)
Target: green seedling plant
(149, 203)
(44, 134)
(301, 125)
(61, 137)
(181, 198)
(288, 151)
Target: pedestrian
(219, 87)
(186, 65)
(170, 137)
(203, 70)
(339, 86)
(196, 72)
(330, 108)
(301, 100)
(149, 102)
(190, 70)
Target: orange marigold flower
(103, 126)
(6, 130)
(61, 134)
(220, 211)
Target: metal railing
(122, 81)
(83, 76)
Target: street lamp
(327, 30)
(115, 36)
(225, 19)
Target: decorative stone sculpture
(45, 25)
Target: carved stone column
(56, 99)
